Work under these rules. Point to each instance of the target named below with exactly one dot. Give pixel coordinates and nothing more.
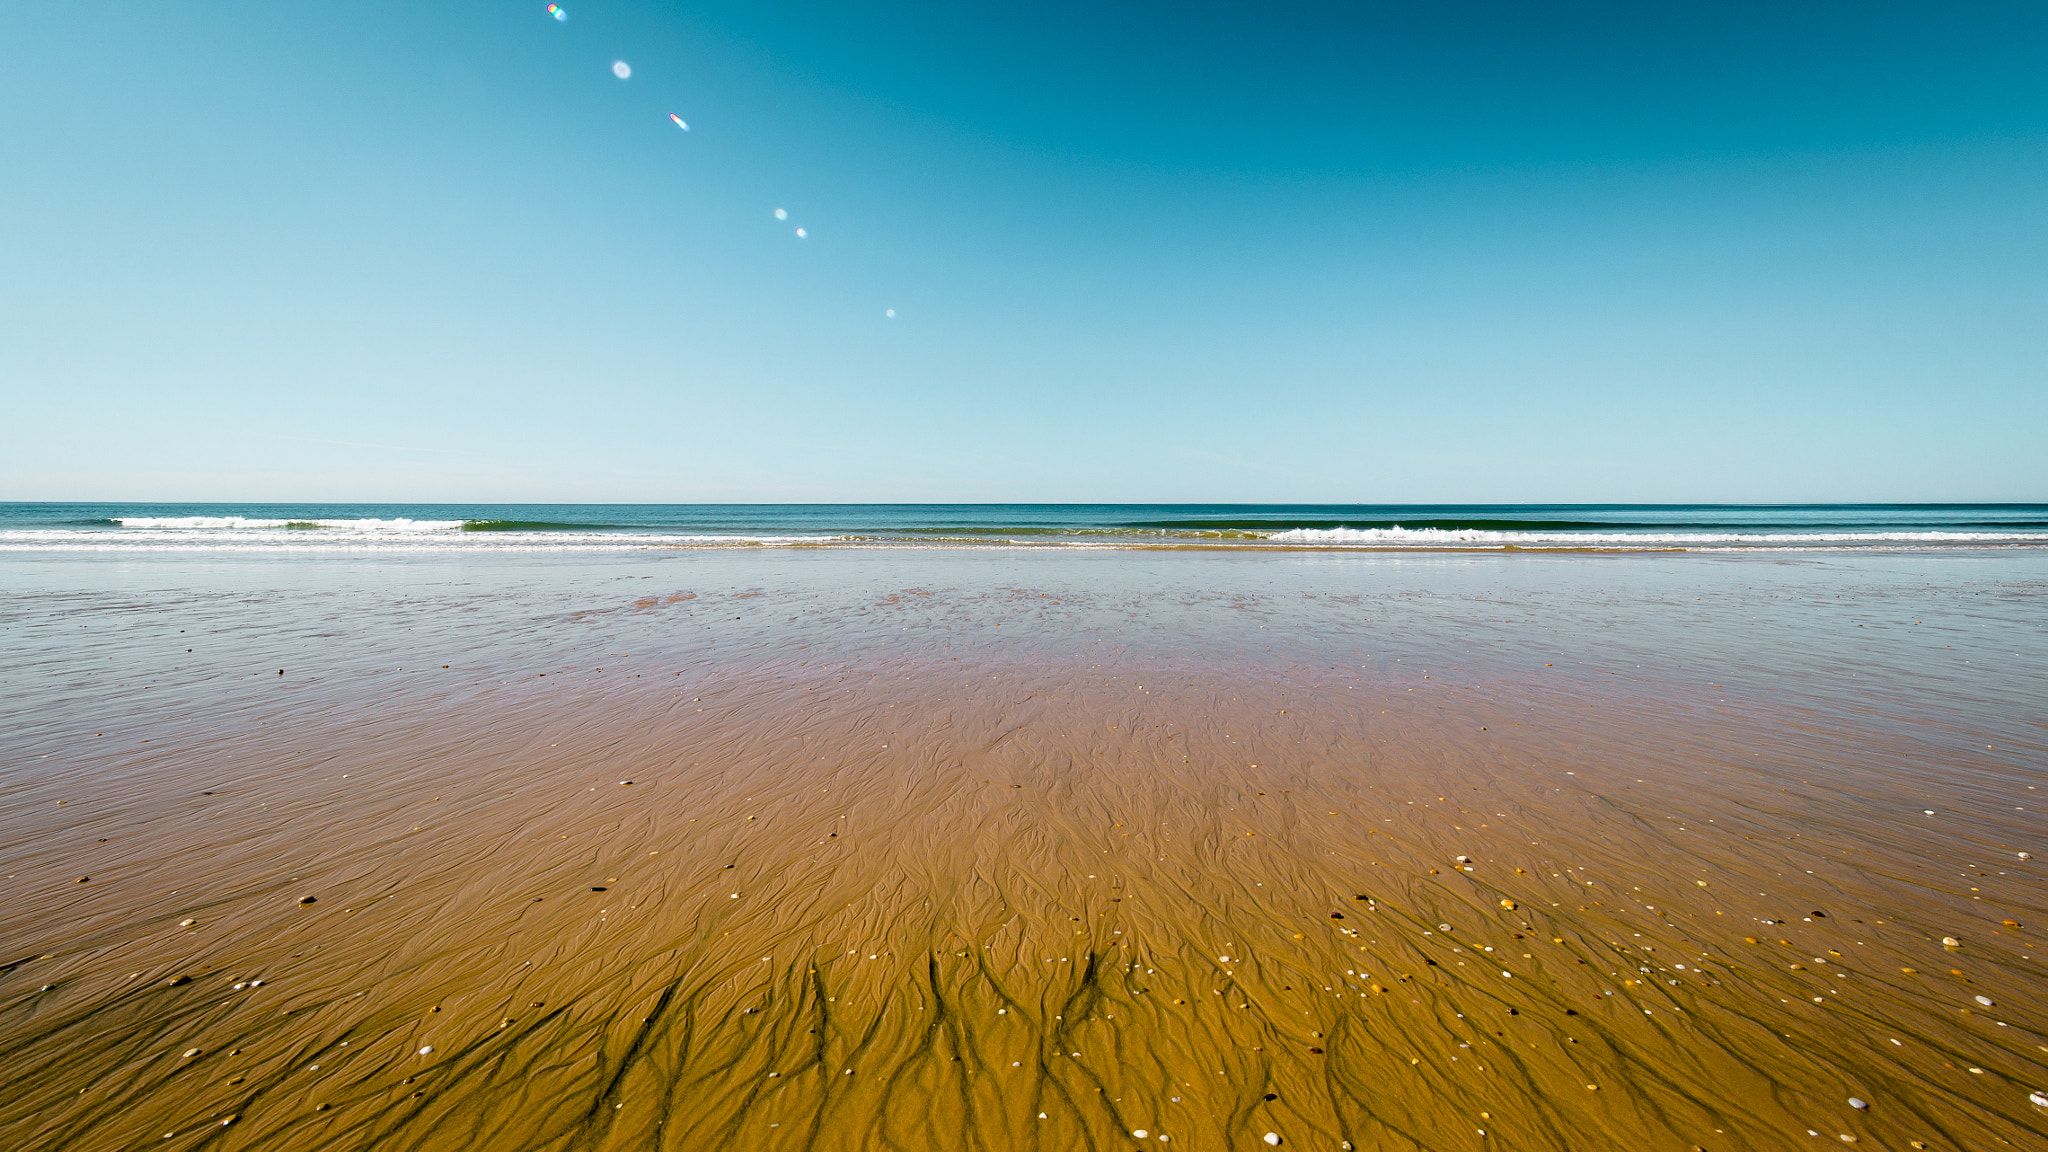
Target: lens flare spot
(679, 121)
(622, 70)
(558, 12)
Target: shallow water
(919, 846)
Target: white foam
(262, 535)
(352, 536)
(192, 523)
(1471, 537)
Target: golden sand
(1021, 902)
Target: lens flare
(621, 69)
(679, 121)
(558, 12)
(801, 234)
(782, 214)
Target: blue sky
(1136, 252)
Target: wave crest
(1469, 537)
(220, 523)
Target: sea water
(593, 527)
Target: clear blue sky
(1187, 251)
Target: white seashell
(191, 1052)
(1140, 1133)
(1951, 942)
(2038, 1099)
(1272, 1137)
(1464, 859)
(427, 1051)
(1985, 1001)
(1858, 1105)
(2026, 855)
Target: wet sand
(926, 852)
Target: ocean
(100, 527)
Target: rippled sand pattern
(775, 896)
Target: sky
(1197, 251)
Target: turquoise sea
(594, 527)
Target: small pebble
(1951, 942)
(1858, 1105)
(1985, 1001)
(1272, 1138)
(2038, 1099)
(307, 899)
(2026, 855)
(187, 923)
(191, 1052)
(427, 1051)
(1140, 1133)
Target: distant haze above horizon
(1124, 252)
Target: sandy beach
(924, 850)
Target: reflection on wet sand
(892, 898)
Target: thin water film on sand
(898, 853)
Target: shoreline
(624, 544)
